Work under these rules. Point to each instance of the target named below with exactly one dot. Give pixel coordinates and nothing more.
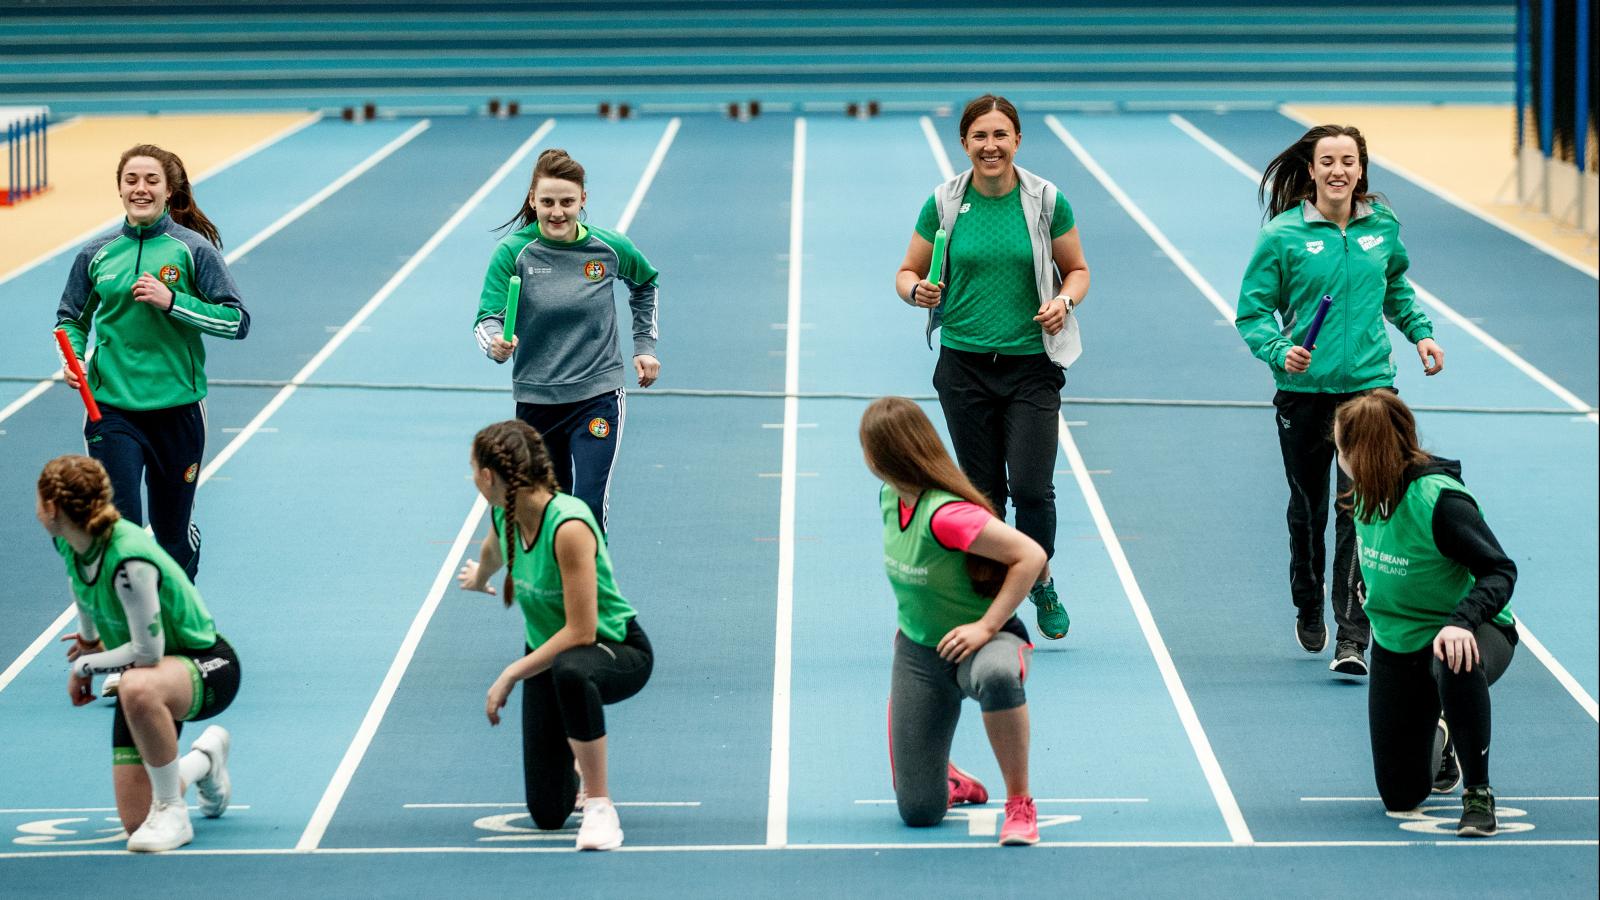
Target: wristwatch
(1069, 301)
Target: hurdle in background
(26, 151)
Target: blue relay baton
(1316, 321)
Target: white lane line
(782, 657)
(936, 147)
(44, 640)
(1560, 672)
(1447, 196)
(90, 809)
(1038, 800)
(255, 240)
(112, 222)
(312, 836)
(1481, 846)
(1442, 797)
(650, 170)
(524, 804)
(1134, 212)
(1238, 830)
(1427, 297)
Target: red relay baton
(71, 359)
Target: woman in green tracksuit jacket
(149, 291)
(1326, 236)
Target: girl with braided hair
(148, 292)
(140, 615)
(584, 647)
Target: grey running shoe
(1348, 659)
(1477, 813)
(1310, 631)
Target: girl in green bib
(958, 574)
(583, 646)
(1437, 592)
(140, 615)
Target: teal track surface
(1182, 744)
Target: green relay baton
(513, 292)
(936, 271)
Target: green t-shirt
(992, 297)
(930, 582)
(537, 576)
(185, 622)
(1411, 588)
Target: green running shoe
(1053, 619)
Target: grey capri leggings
(925, 696)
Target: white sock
(194, 766)
(596, 803)
(166, 785)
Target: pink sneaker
(1022, 823)
(965, 789)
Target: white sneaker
(600, 829)
(215, 788)
(165, 828)
(108, 687)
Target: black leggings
(1003, 413)
(567, 701)
(1403, 703)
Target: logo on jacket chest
(168, 274)
(594, 270)
(540, 270)
(1368, 241)
(1313, 247)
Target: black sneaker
(1349, 660)
(1448, 776)
(1310, 631)
(1477, 813)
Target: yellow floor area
(1465, 150)
(83, 156)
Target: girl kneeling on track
(958, 574)
(584, 649)
(1438, 589)
(139, 614)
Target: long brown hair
(904, 449)
(1287, 179)
(180, 193)
(1377, 436)
(989, 103)
(553, 163)
(81, 489)
(514, 450)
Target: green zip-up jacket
(144, 357)
(1299, 257)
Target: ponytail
(514, 451)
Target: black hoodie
(1462, 535)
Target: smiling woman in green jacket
(1327, 235)
(148, 292)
